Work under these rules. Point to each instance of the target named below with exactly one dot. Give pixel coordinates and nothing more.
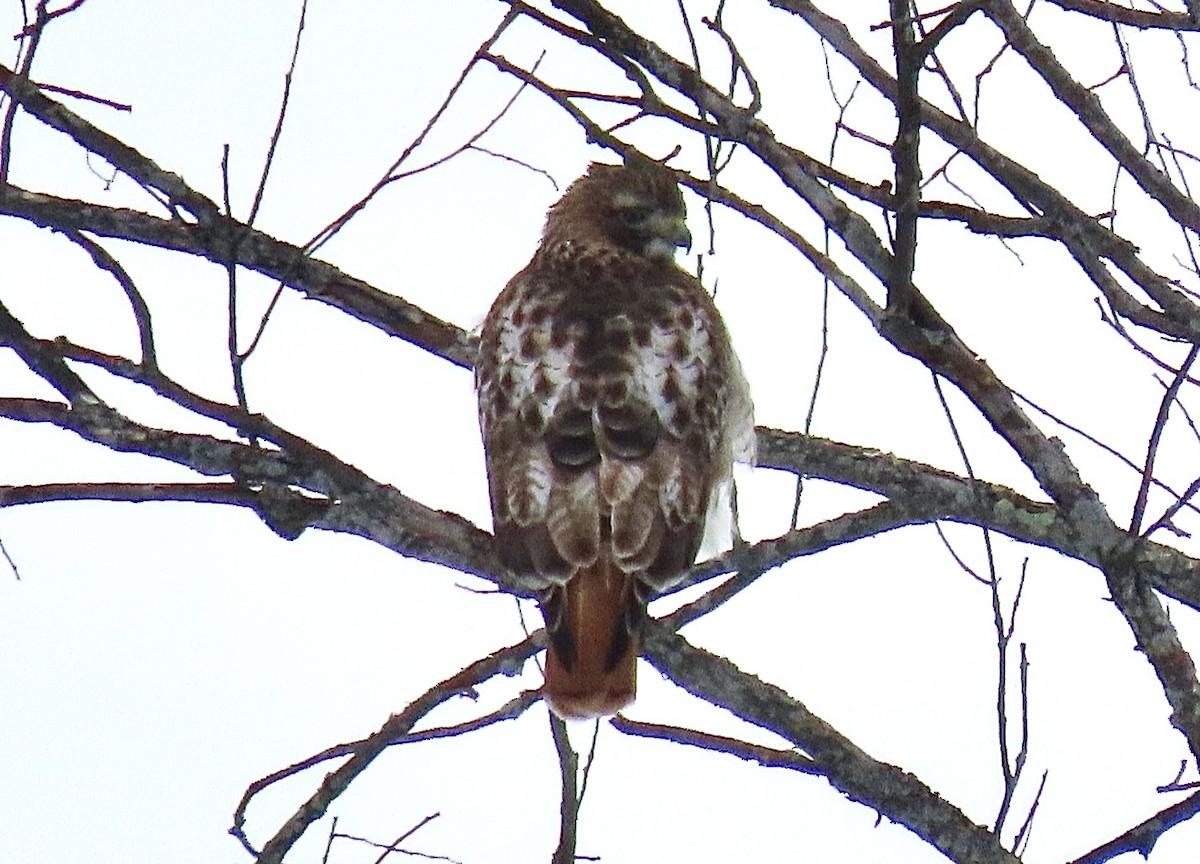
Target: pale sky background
(156, 659)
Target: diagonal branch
(397, 726)
(768, 757)
(43, 360)
(1086, 106)
(893, 793)
(1140, 18)
(118, 154)
(955, 498)
(255, 251)
(1142, 837)
(1158, 640)
(365, 508)
(510, 710)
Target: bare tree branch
(397, 725)
(1139, 18)
(1086, 106)
(895, 794)
(1142, 837)
(768, 757)
(173, 191)
(255, 251)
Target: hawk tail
(591, 661)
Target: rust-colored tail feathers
(591, 661)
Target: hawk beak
(665, 234)
(674, 231)
(682, 236)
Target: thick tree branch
(199, 493)
(1142, 837)
(1086, 106)
(118, 154)
(906, 159)
(893, 793)
(959, 499)
(1118, 14)
(371, 510)
(255, 251)
(1158, 640)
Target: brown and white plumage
(612, 406)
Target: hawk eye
(635, 215)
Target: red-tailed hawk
(612, 406)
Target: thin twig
(284, 101)
(395, 844)
(30, 37)
(568, 771)
(393, 171)
(46, 17)
(397, 725)
(12, 565)
(141, 311)
(1160, 424)
(86, 97)
(1021, 841)
(236, 359)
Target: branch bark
(893, 793)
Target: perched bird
(612, 406)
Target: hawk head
(636, 207)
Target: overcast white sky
(155, 659)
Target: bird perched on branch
(612, 406)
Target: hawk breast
(601, 402)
